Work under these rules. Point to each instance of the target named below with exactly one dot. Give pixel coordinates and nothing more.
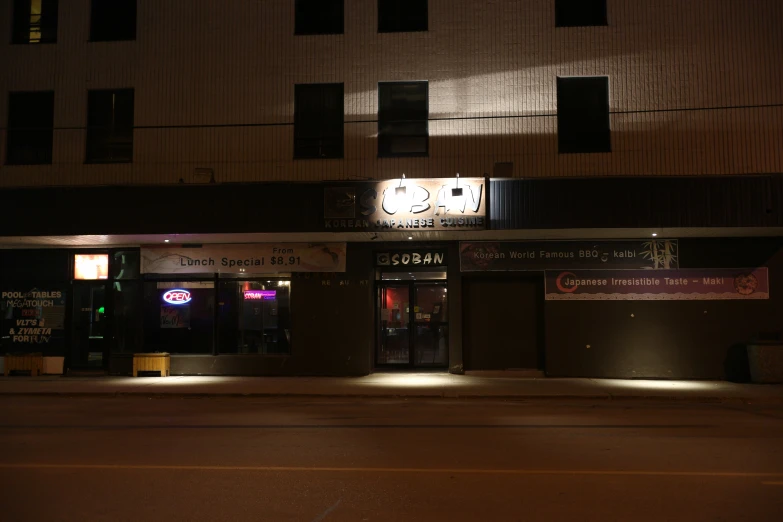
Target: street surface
(351, 459)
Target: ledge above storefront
(432, 209)
(135, 240)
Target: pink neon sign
(257, 295)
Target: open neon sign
(257, 295)
(177, 296)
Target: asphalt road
(234, 459)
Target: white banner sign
(263, 258)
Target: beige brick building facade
(696, 88)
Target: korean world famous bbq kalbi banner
(652, 254)
(261, 258)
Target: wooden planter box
(53, 365)
(152, 362)
(32, 362)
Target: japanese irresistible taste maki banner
(700, 284)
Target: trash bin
(765, 359)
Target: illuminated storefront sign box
(257, 295)
(411, 258)
(177, 296)
(406, 205)
(90, 266)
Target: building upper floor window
(318, 17)
(34, 21)
(580, 13)
(583, 114)
(110, 126)
(30, 128)
(403, 112)
(318, 120)
(398, 16)
(112, 20)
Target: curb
(472, 397)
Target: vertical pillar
(455, 310)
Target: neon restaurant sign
(260, 295)
(406, 205)
(177, 296)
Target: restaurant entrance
(412, 320)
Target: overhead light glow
(653, 386)
(406, 380)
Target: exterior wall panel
(696, 88)
(669, 339)
(628, 202)
(637, 202)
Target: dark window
(318, 121)
(112, 20)
(580, 13)
(110, 126)
(35, 21)
(125, 264)
(254, 317)
(30, 128)
(402, 119)
(127, 317)
(127, 293)
(398, 16)
(319, 17)
(179, 327)
(583, 114)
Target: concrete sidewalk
(433, 385)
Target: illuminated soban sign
(407, 204)
(177, 296)
(411, 258)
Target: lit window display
(179, 316)
(255, 317)
(90, 266)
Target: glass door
(89, 325)
(430, 340)
(413, 324)
(394, 342)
